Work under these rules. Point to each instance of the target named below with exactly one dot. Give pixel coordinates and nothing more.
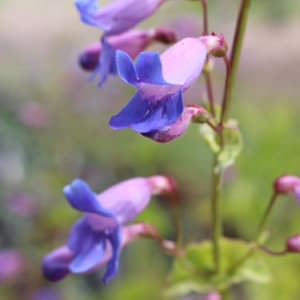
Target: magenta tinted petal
(81, 197)
(127, 199)
(55, 265)
(125, 67)
(149, 68)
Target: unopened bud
(215, 44)
(293, 244)
(199, 114)
(286, 184)
(162, 185)
(89, 58)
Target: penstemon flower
(160, 82)
(97, 238)
(100, 57)
(115, 19)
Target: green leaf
(194, 272)
(210, 137)
(231, 144)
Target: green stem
(235, 57)
(178, 225)
(216, 214)
(266, 216)
(208, 81)
(256, 243)
(205, 17)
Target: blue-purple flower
(114, 19)
(133, 42)
(118, 16)
(98, 237)
(160, 82)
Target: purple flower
(117, 17)
(97, 238)
(160, 82)
(114, 19)
(191, 113)
(132, 41)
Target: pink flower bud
(215, 44)
(162, 184)
(286, 184)
(293, 244)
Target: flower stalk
(216, 214)
(208, 81)
(235, 57)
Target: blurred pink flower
(12, 265)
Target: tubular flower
(101, 57)
(114, 19)
(98, 237)
(118, 16)
(288, 185)
(160, 82)
(191, 113)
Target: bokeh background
(54, 128)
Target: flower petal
(127, 199)
(132, 113)
(88, 9)
(115, 238)
(144, 115)
(107, 62)
(55, 265)
(149, 68)
(81, 197)
(161, 113)
(125, 67)
(87, 245)
(118, 16)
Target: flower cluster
(157, 109)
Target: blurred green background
(54, 128)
